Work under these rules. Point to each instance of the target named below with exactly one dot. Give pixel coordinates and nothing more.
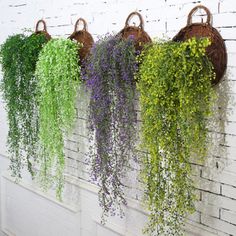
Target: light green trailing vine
(58, 74)
(176, 100)
(18, 58)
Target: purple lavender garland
(109, 75)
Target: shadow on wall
(218, 160)
(218, 155)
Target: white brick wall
(26, 211)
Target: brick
(73, 138)
(230, 166)
(71, 154)
(208, 185)
(193, 229)
(207, 209)
(231, 46)
(219, 201)
(230, 128)
(218, 224)
(231, 70)
(162, 18)
(231, 153)
(227, 33)
(220, 176)
(228, 216)
(196, 170)
(73, 146)
(224, 19)
(230, 140)
(229, 191)
(80, 127)
(231, 60)
(173, 24)
(226, 5)
(195, 217)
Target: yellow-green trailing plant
(19, 55)
(176, 98)
(58, 74)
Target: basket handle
(44, 26)
(77, 24)
(208, 13)
(133, 14)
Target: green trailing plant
(176, 98)
(58, 74)
(18, 58)
(32, 47)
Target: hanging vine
(29, 132)
(18, 58)
(176, 100)
(58, 74)
(112, 116)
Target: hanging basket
(136, 32)
(216, 52)
(44, 31)
(84, 37)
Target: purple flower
(110, 77)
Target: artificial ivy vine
(110, 78)
(58, 74)
(176, 98)
(18, 58)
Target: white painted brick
(196, 170)
(211, 5)
(163, 18)
(224, 19)
(219, 176)
(73, 146)
(229, 191)
(72, 138)
(231, 60)
(227, 5)
(231, 46)
(71, 154)
(136, 221)
(195, 217)
(207, 209)
(231, 166)
(228, 216)
(231, 153)
(219, 201)
(208, 185)
(230, 128)
(176, 24)
(193, 229)
(81, 127)
(227, 87)
(230, 140)
(227, 33)
(221, 225)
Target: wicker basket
(137, 32)
(216, 52)
(84, 37)
(44, 31)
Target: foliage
(110, 77)
(176, 100)
(18, 57)
(58, 74)
(32, 47)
